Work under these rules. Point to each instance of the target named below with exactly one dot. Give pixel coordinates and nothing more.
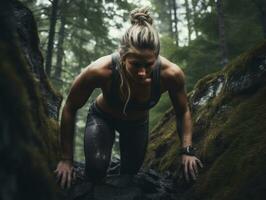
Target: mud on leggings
(99, 138)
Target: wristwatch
(189, 150)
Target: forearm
(67, 129)
(184, 128)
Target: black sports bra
(113, 97)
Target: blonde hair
(140, 35)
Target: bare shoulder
(98, 72)
(100, 68)
(171, 73)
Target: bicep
(177, 92)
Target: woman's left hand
(190, 166)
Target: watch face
(189, 150)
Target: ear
(123, 60)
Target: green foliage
(195, 60)
(161, 8)
(168, 47)
(243, 29)
(159, 110)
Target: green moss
(27, 139)
(243, 161)
(170, 160)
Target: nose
(142, 72)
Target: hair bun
(140, 16)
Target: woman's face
(139, 65)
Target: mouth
(143, 79)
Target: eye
(149, 64)
(136, 64)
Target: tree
(222, 37)
(188, 17)
(194, 5)
(50, 47)
(175, 7)
(61, 38)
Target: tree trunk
(222, 39)
(194, 5)
(188, 16)
(60, 48)
(171, 31)
(50, 47)
(175, 22)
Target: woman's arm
(80, 91)
(177, 94)
(176, 89)
(90, 78)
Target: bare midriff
(117, 113)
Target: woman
(132, 81)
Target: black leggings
(99, 138)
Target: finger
(191, 170)
(200, 163)
(186, 172)
(195, 167)
(58, 177)
(63, 179)
(74, 175)
(68, 180)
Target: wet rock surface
(146, 185)
(210, 90)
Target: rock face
(229, 114)
(28, 110)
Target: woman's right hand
(65, 173)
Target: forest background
(201, 36)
